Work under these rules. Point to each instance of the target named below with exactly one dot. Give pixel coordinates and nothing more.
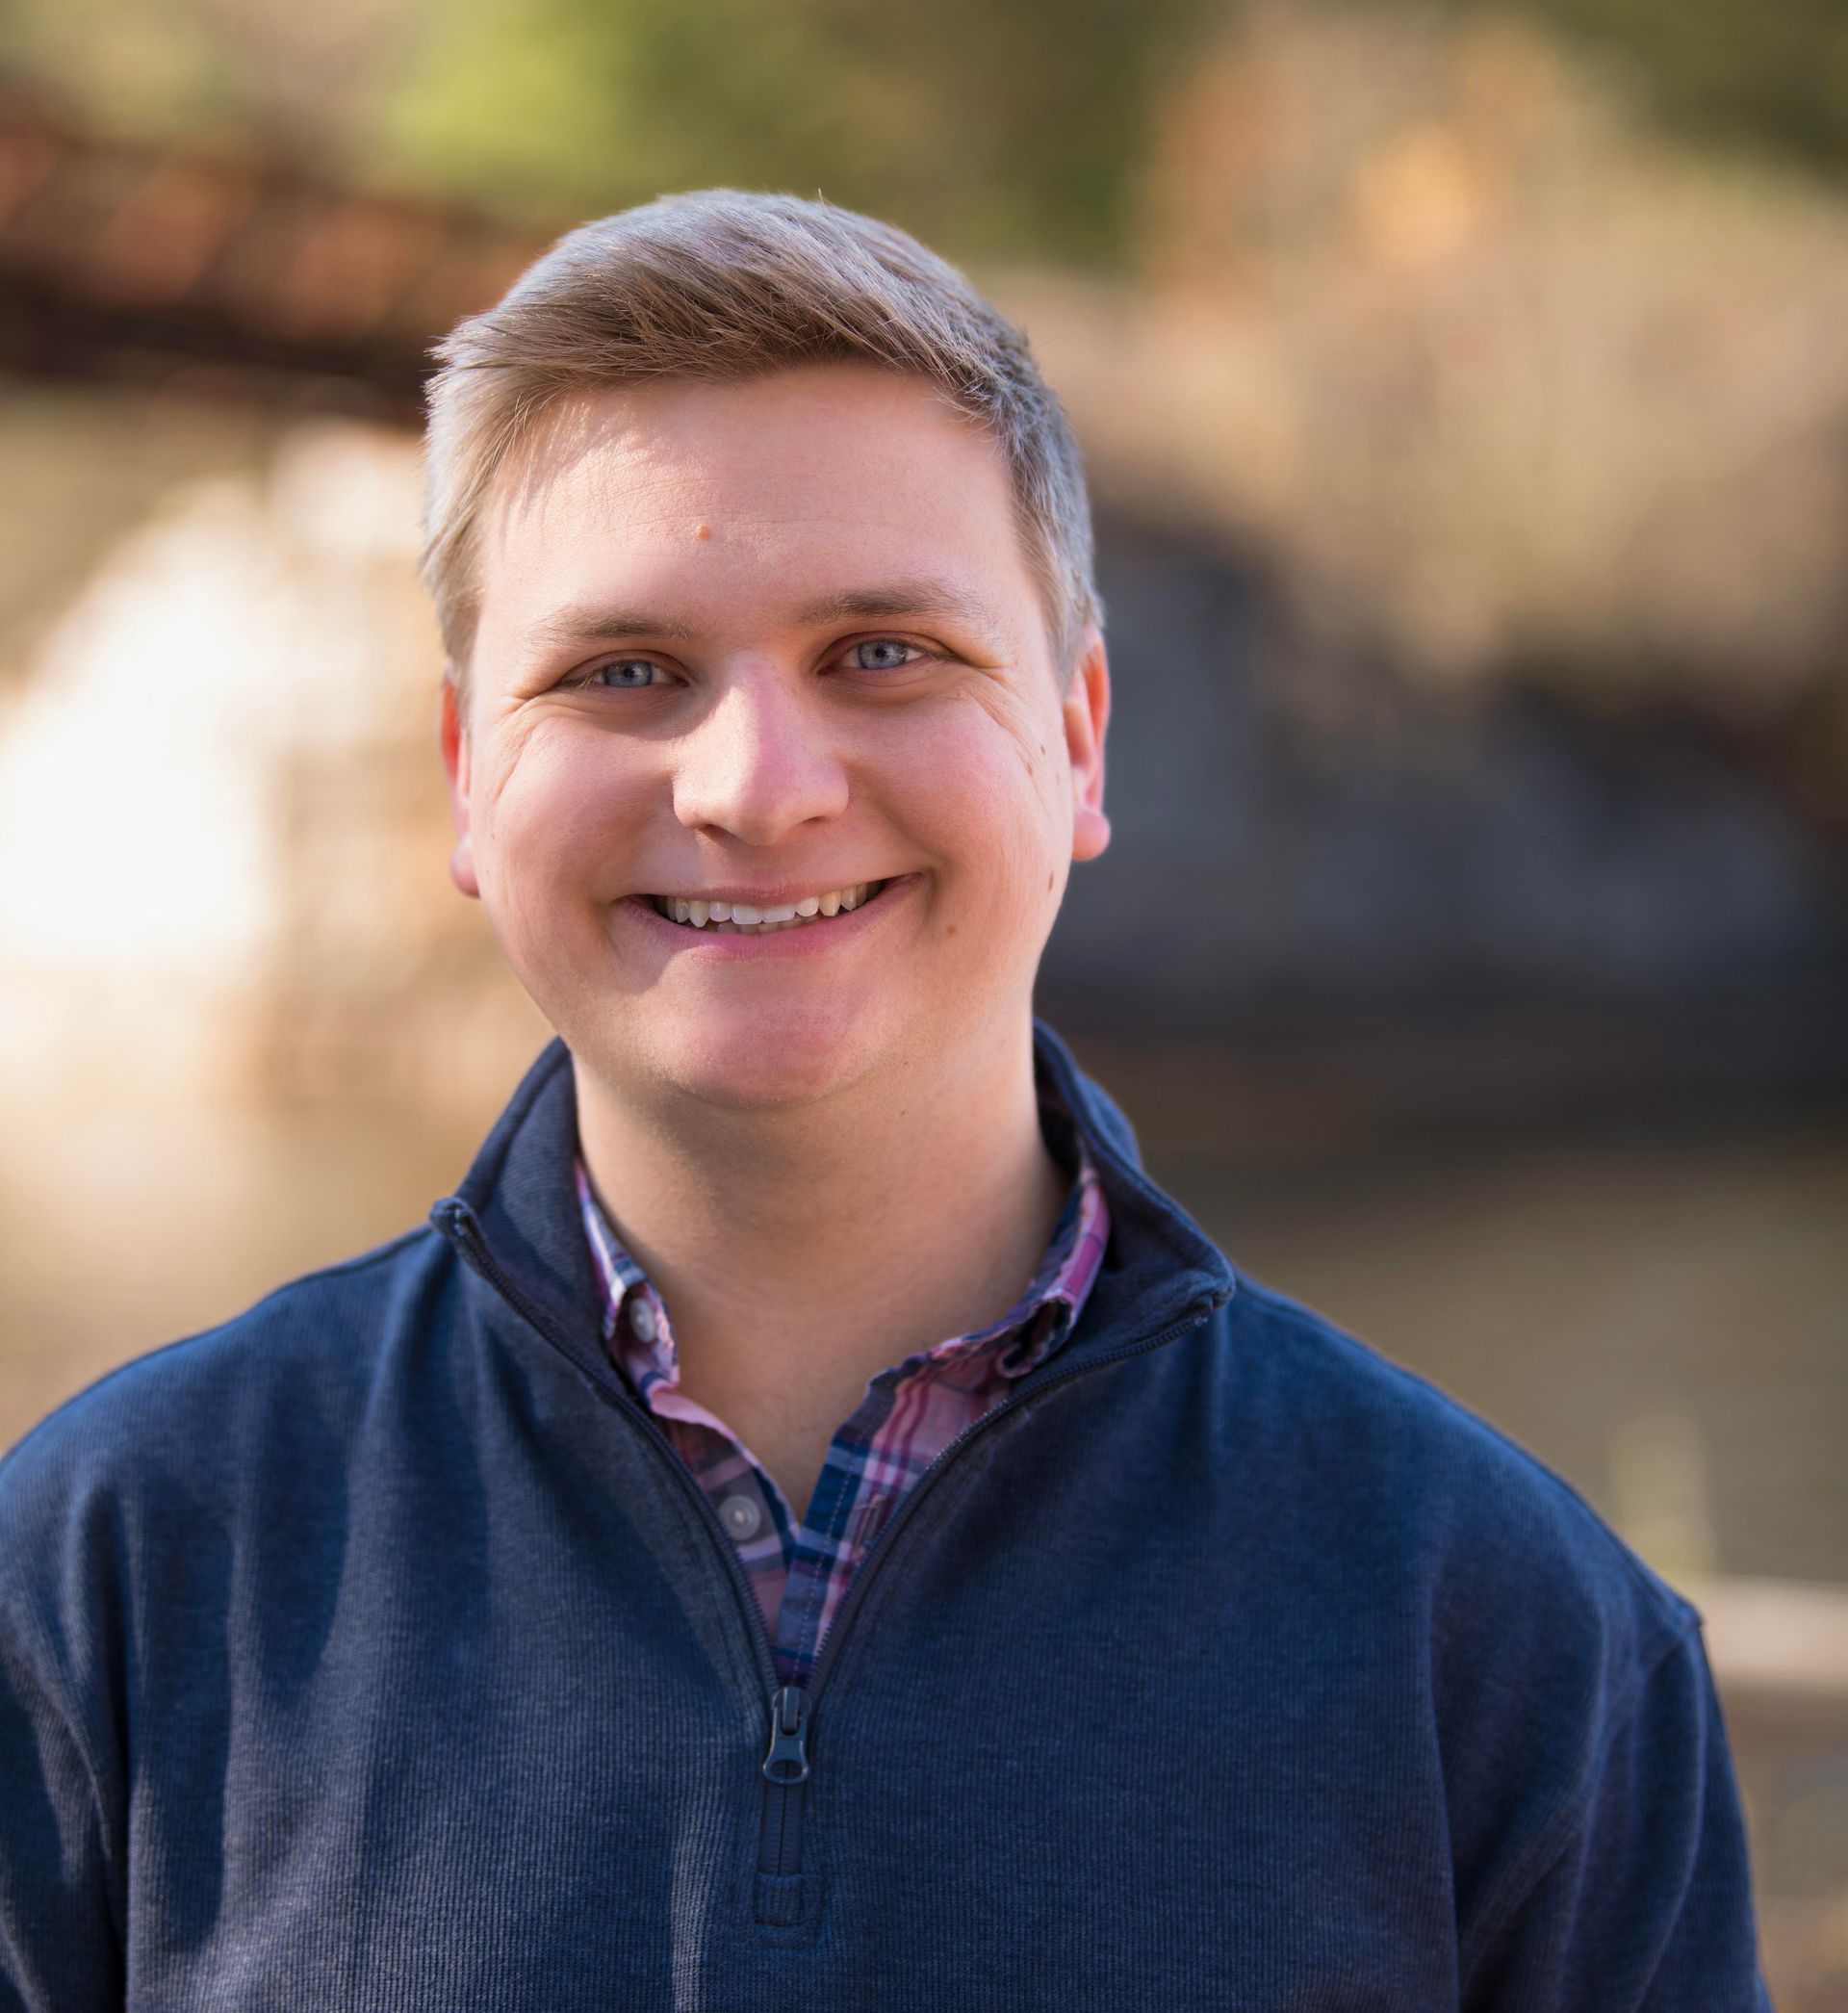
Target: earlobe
(462, 869)
(1087, 714)
(453, 737)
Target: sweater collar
(1161, 1269)
(516, 1218)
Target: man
(809, 1524)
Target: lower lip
(811, 938)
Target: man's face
(767, 644)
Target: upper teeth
(767, 915)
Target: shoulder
(1510, 1578)
(179, 1432)
(1457, 1577)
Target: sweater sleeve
(1643, 1903)
(59, 1950)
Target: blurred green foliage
(991, 125)
(1771, 75)
(996, 128)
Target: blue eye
(624, 674)
(884, 654)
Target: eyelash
(587, 678)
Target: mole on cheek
(701, 531)
(1050, 882)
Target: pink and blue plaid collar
(1041, 1319)
(802, 1566)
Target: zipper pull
(788, 1761)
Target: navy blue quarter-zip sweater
(375, 1651)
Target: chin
(759, 1061)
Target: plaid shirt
(801, 1571)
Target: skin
(777, 638)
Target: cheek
(555, 816)
(992, 801)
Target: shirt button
(742, 1515)
(641, 1317)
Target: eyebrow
(583, 622)
(916, 596)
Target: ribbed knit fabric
(375, 1652)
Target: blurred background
(1464, 392)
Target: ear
(453, 734)
(1087, 712)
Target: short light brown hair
(726, 285)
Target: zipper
(788, 1766)
(778, 1897)
(788, 1761)
(785, 1768)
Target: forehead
(776, 491)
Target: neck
(798, 1253)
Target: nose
(758, 765)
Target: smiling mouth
(762, 919)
